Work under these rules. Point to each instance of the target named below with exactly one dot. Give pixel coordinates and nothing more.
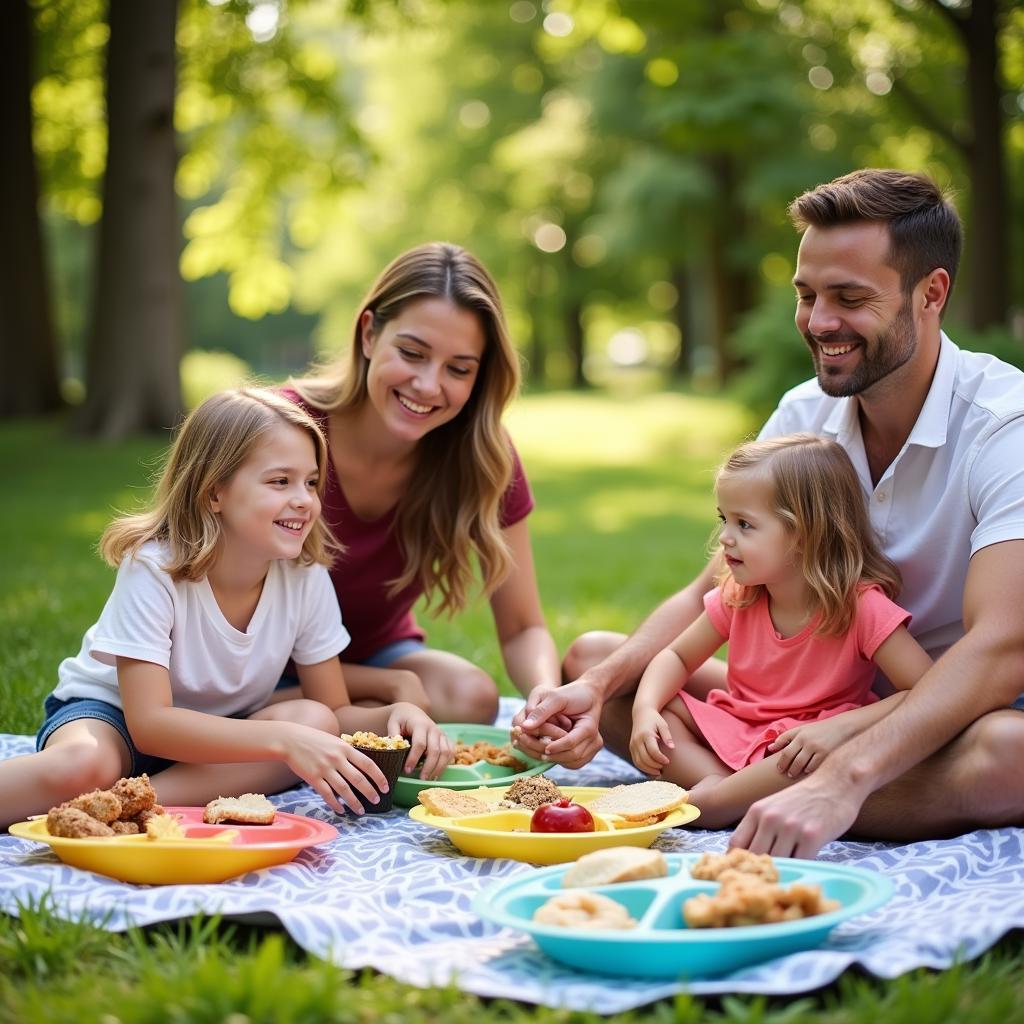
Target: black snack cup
(390, 763)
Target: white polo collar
(929, 430)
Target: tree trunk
(537, 362)
(683, 364)
(575, 337)
(29, 379)
(988, 247)
(136, 331)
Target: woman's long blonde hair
(818, 497)
(452, 504)
(215, 439)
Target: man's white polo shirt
(956, 486)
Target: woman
(422, 479)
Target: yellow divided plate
(208, 853)
(506, 833)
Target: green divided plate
(469, 776)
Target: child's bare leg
(84, 754)
(189, 784)
(690, 761)
(723, 802)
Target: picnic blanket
(395, 895)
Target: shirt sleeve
(877, 619)
(138, 617)
(517, 501)
(774, 425)
(322, 634)
(719, 612)
(996, 487)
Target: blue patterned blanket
(396, 896)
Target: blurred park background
(198, 190)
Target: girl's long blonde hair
(818, 497)
(215, 439)
(452, 504)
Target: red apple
(562, 816)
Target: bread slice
(247, 809)
(615, 864)
(448, 803)
(640, 800)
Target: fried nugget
(136, 795)
(712, 866)
(73, 823)
(101, 804)
(125, 828)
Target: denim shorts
(59, 712)
(387, 655)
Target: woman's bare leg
(371, 687)
(458, 690)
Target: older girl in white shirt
(219, 585)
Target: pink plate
(208, 853)
(291, 830)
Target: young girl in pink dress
(805, 600)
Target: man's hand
(560, 725)
(798, 821)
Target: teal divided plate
(469, 776)
(661, 945)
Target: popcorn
(371, 741)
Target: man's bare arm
(621, 670)
(576, 706)
(980, 673)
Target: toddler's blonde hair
(818, 497)
(214, 440)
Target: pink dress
(776, 683)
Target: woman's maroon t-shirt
(373, 557)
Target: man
(937, 436)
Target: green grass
(623, 517)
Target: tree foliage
(619, 164)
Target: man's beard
(891, 349)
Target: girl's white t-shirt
(214, 667)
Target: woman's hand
(650, 734)
(426, 740)
(560, 724)
(804, 747)
(331, 766)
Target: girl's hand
(426, 740)
(806, 746)
(332, 767)
(650, 732)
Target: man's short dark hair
(924, 228)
